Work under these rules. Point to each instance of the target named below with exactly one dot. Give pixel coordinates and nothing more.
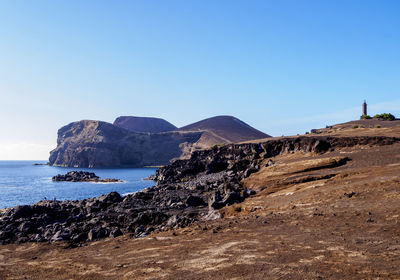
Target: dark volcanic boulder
(194, 200)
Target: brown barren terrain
(329, 216)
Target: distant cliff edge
(138, 142)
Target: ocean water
(22, 182)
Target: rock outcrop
(186, 191)
(82, 176)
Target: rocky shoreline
(186, 191)
(82, 176)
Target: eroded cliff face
(100, 144)
(244, 159)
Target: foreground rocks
(186, 191)
(153, 209)
(82, 176)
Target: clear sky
(284, 67)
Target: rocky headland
(139, 142)
(101, 144)
(82, 176)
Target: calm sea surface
(21, 182)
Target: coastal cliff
(138, 142)
(100, 144)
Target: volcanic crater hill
(144, 124)
(227, 128)
(138, 142)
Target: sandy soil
(309, 221)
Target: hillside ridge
(228, 127)
(144, 124)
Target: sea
(24, 182)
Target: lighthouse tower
(364, 108)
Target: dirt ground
(310, 220)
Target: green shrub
(356, 126)
(378, 126)
(365, 117)
(385, 116)
(217, 145)
(316, 131)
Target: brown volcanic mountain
(227, 128)
(144, 124)
(219, 130)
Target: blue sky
(284, 67)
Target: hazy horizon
(283, 67)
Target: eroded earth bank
(310, 207)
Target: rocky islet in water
(82, 176)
